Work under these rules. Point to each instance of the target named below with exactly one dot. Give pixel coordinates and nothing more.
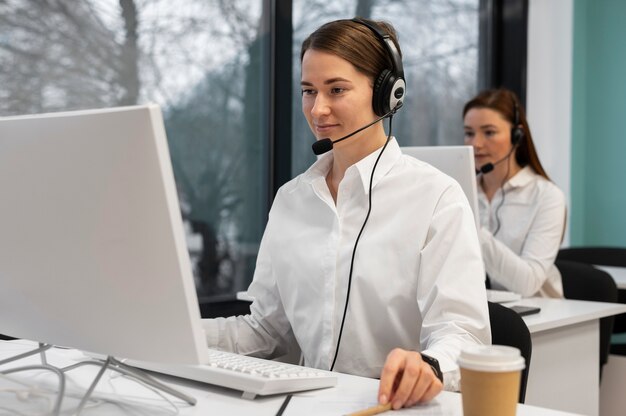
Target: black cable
(356, 243)
(284, 405)
(508, 170)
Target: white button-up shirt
(520, 257)
(418, 279)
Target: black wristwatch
(434, 364)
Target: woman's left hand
(406, 380)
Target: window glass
(439, 41)
(204, 62)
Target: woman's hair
(506, 103)
(355, 43)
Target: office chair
(584, 282)
(508, 328)
(603, 256)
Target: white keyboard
(251, 375)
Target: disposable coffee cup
(490, 380)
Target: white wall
(549, 86)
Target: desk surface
(557, 313)
(352, 393)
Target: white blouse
(520, 257)
(418, 279)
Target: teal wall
(598, 186)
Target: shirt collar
(319, 168)
(522, 178)
(387, 160)
(364, 166)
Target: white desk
(617, 273)
(349, 395)
(564, 372)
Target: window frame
(503, 50)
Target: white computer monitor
(456, 162)
(92, 247)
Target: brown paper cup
(490, 380)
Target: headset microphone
(488, 167)
(324, 145)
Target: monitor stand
(109, 363)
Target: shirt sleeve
(451, 290)
(266, 331)
(527, 272)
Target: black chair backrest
(604, 256)
(508, 328)
(584, 282)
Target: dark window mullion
(280, 94)
(505, 28)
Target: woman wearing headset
(522, 213)
(370, 259)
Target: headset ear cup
(517, 135)
(380, 96)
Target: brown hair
(355, 43)
(504, 102)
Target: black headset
(517, 133)
(389, 87)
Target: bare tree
(129, 54)
(57, 57)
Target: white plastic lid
(491, 358)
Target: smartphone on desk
(523, 310)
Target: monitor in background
(92, 247)
(456, 162)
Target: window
(204, 62)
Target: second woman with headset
(522, 213)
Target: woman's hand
(406, 380)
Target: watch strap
(434, 364)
